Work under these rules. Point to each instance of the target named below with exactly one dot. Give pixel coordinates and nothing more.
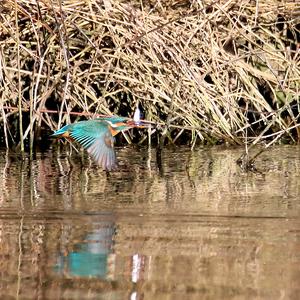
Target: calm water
(194, 227)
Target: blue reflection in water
(89, 259)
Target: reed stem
(19, 79)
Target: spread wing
(96, 138)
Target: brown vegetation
(210, 71)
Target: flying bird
(97, 136)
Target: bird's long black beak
(138, 124)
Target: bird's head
(118, 124)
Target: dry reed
(209, 71)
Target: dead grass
(209, 71)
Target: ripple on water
(193, 226)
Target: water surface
(193, 226)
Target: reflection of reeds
(211, 72)
(206, 182)
(179, 224)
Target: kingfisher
(97, 137)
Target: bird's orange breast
(113, 131)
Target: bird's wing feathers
(103, 152)
(95, 137)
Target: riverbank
(214, 72)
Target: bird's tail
(61, 132)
